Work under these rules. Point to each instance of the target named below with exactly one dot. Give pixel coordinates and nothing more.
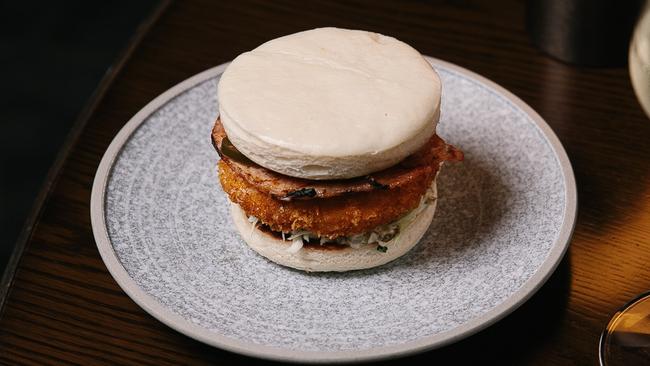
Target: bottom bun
(316, 258)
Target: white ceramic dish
(504, 220)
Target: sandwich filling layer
(418, 167)
(346, 211)
(379, 236)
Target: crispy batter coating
(332, 217)
(331, 208)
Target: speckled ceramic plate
(504, 221)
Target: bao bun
(329, 103)
(315, 259)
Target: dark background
(52, 56)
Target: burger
(328, 148)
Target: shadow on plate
(472, 202)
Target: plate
(504, 220)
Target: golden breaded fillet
(333, 217)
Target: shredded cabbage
(295, 246)
(253, 220)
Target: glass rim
(613, 318)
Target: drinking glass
(626, 339)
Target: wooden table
(62, 306)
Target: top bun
(329, 103)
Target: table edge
(7, 280)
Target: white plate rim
(176, 322)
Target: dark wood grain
(8, 276)
(64, 307)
